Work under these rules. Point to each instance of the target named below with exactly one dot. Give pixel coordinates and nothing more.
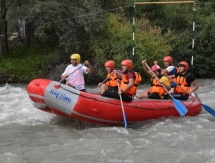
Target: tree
(115, 42)
(176, 22)
(204, 42)
(1, 34)
(68, 24)
(4, 6)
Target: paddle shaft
(101, 83)
(181, 87)
(123, 111)
(182, 110)
(209, 109)
(71, 73)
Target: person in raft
(110, 83)
(156, 90)
(74, 72)
(170, 70)
(128, 85)
(184, 80)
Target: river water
(28, 135)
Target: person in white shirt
(74, 73)
(170, 70)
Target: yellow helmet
(76, 56)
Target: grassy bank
(24, 64)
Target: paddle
(123, 112)
(108, 79)
(207, 108)
(182, 110)
(71, 73)
(101, 83)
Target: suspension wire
(134, 20)
(169, 2)
(94, 13)
(134, 16)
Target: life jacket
(124, 83)
(181, 80)
(112, 80)
(156, 87)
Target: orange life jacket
(157, 87)
(181, 80)
(124, 83)
(112, 80)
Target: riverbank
(23, 64)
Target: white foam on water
(16, 107)
(173, 139)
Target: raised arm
(146, 68)
(89, 66)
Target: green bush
(28, 63)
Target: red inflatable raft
(57, 98)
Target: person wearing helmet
(110, 83)
(169, 67)
(156, 90)
(74, 73)
(169, 70)
(128, 85)
(184, 82)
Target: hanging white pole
(194, 11)
(133, 29)
(170, 2)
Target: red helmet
(168, 59)
(128, 63)
(155, 68)
(184, 64)
(110, 64)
